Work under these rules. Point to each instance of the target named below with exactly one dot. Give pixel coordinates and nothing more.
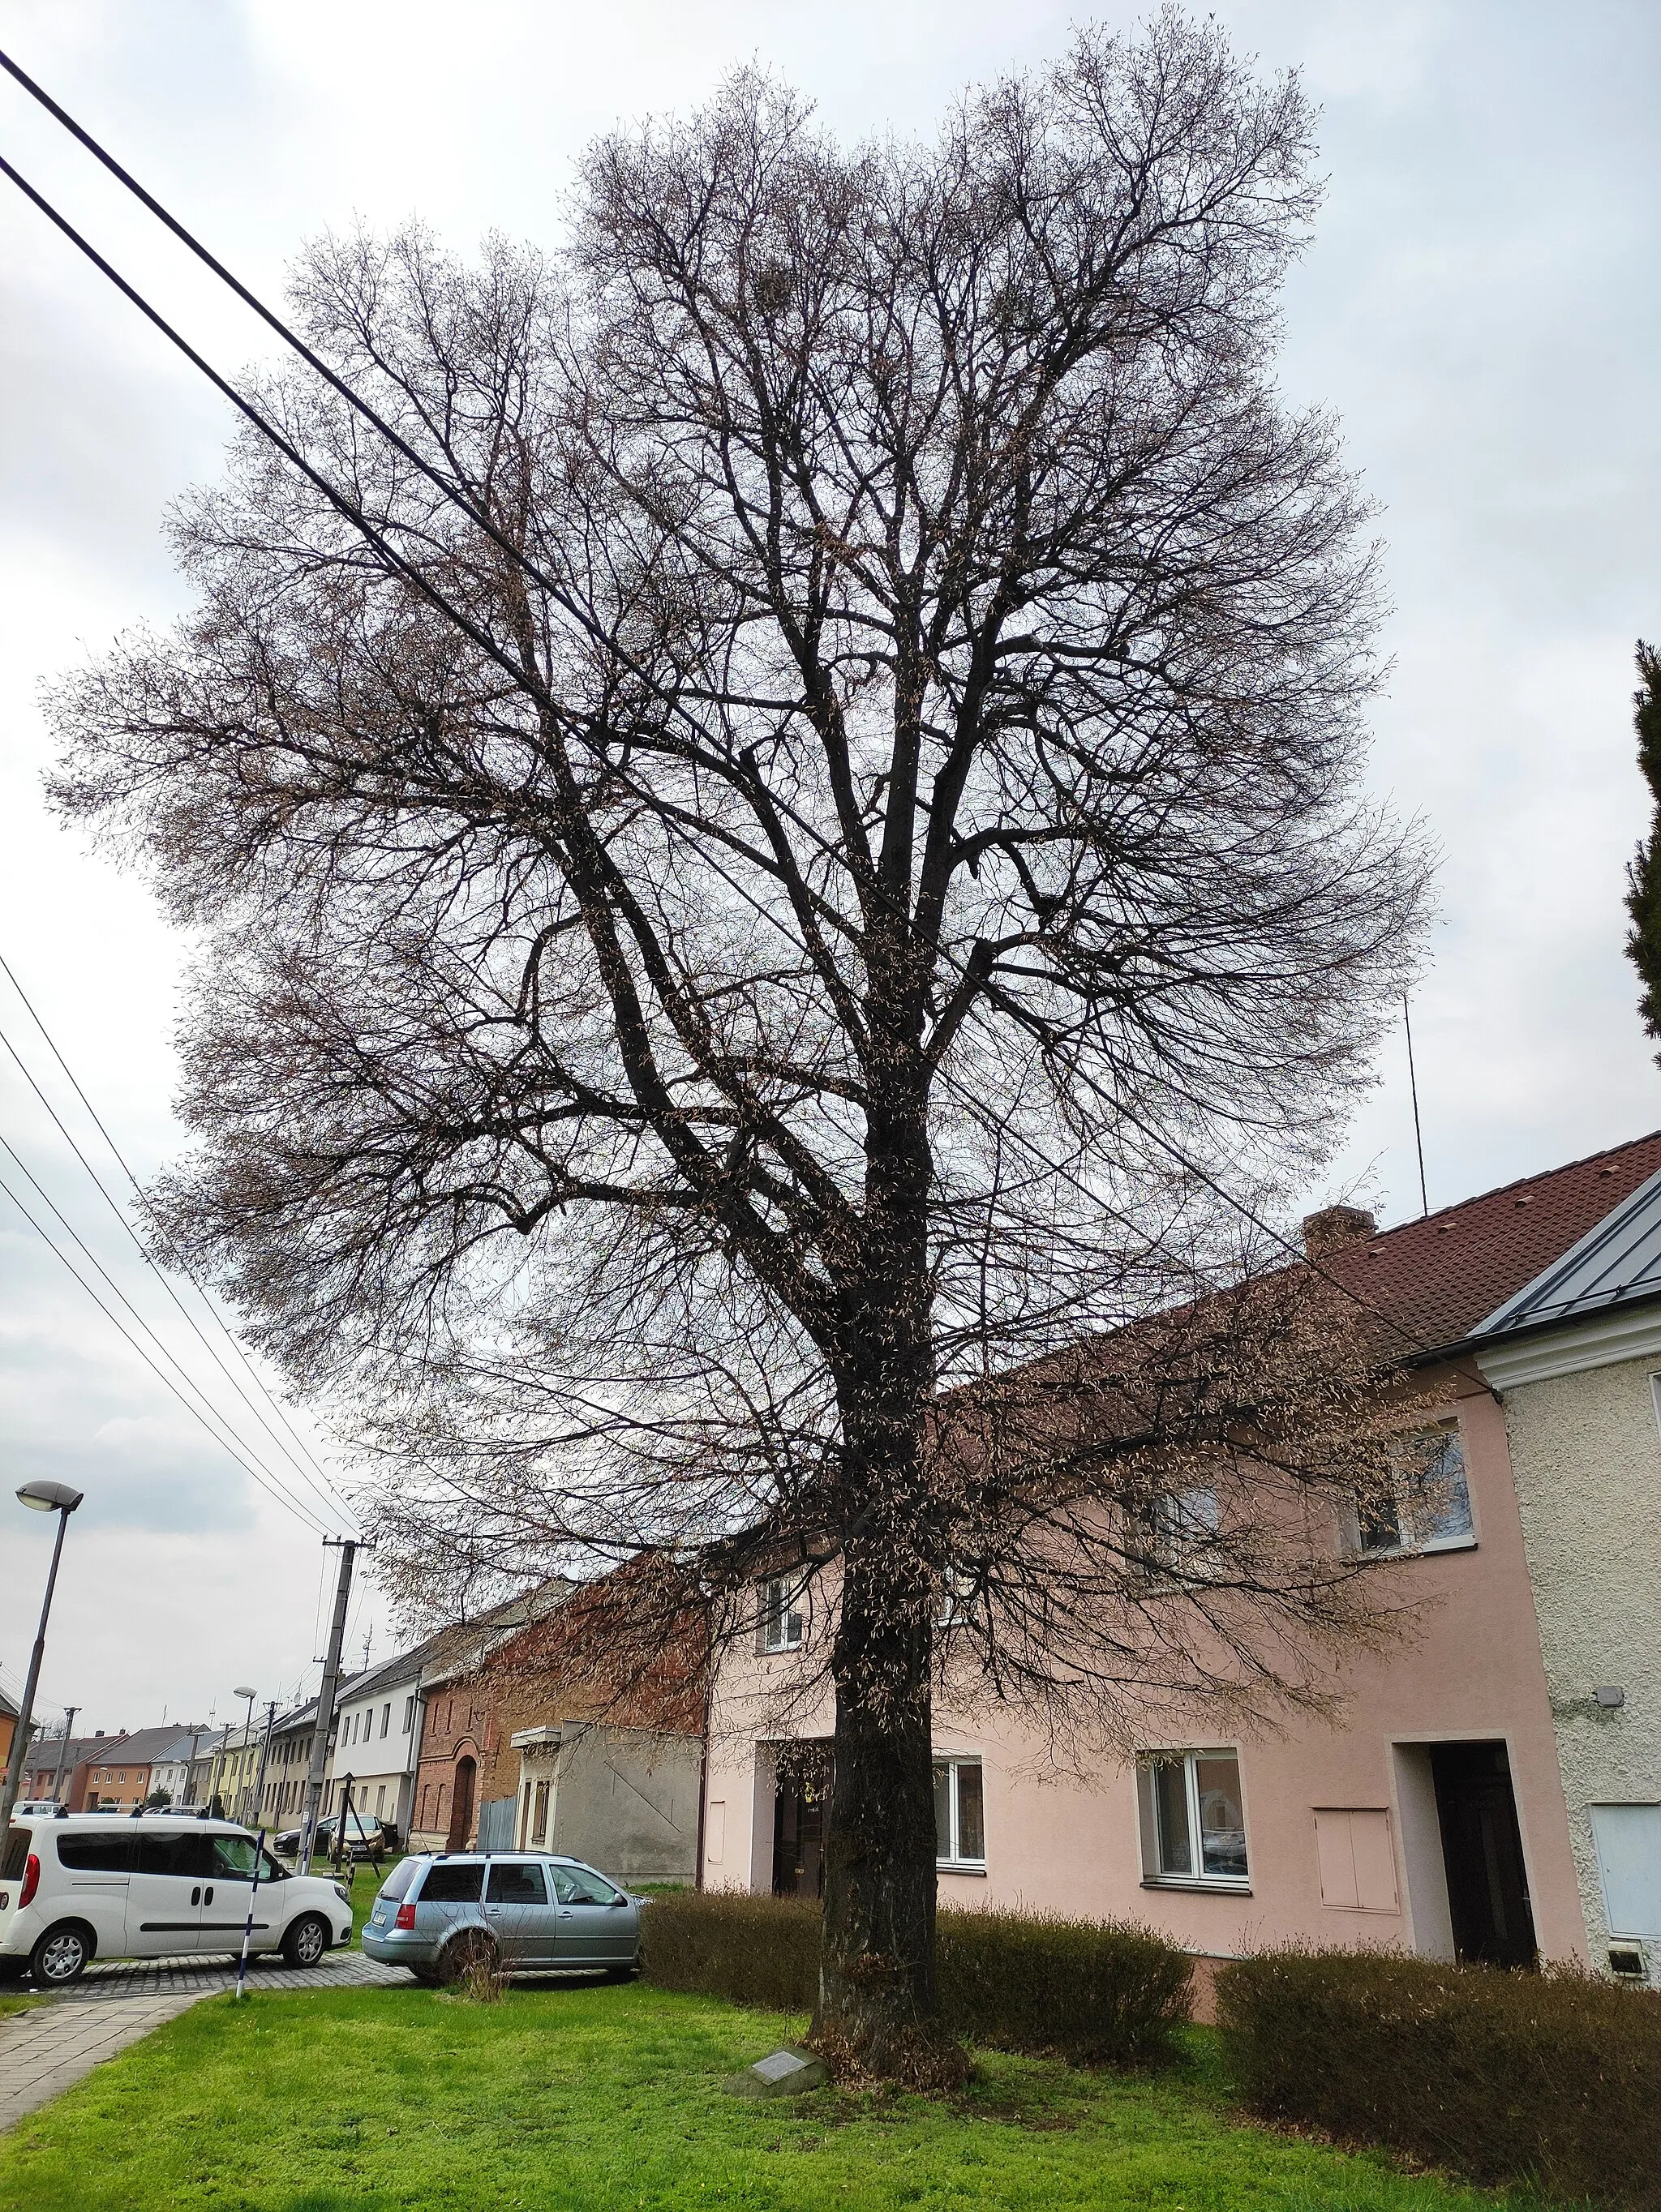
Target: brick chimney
(1334, 1226)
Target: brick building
(520, 1751)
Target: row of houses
(1490, 1787)
(468, 1737)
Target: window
(454, 1882)
(1193, 1821)
(539, 1817)
(957, 1598)
(782, 1621)
(233, 1858)
(959, 1812)
(514, 1882)
(576, 1885)
(98, 1854)
(385, 1720)
(409, 1714)
(1182, 1518)
(1427, 1508)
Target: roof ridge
(1543, 1174)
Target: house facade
(377, 1739)
(517, 1754)
(1432, 1814)
(282, 1799)
(1577, 1357)
(118, 1773)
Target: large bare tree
(795, 920)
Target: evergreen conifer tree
(1644, 874)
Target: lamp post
(243, 1690)
(40, 1497)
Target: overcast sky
(1479, 309)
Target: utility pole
(325, 1697)
(264, 1753)
(69, 1712)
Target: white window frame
(783, 1621)
(1410, 1545)
(1154, 1875)
(957, 1598)
(953, 1763)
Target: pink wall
(1056, 1844)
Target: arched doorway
(461, 1805)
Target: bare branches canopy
(893, 807)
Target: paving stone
(57, 2043)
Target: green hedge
(1553, 2079)
(1097, 1994)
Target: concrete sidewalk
(57, 2043)
(49, 2048)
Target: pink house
(1432, 1814)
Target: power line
(186, 1379)
(519, 675)
(321, 1485)
(294, 1505)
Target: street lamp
(40, 1497)
(243, 1690)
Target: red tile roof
(1439, 1277)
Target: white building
(377, 1740)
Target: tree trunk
(876, 2012)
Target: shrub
(1094, 1993)
(760, 1951)
(1553, 2079)
(1100, 1993)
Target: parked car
(153, 1886)
(365, 1839)
(440, 1914)
(34, 1808)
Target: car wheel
(473, 1950)
(306, 1941)
(429, 1976)
(60, 1957)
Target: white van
(152, 1886)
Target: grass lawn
(588, 2099)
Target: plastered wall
(1586, 1461)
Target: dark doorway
(800, 1802)
(1482, 1850)
(461, 1806)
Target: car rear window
(457, 1884)
(105, 1854)
(397, 1883)
(17, 1855)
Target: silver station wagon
(524, 1911)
